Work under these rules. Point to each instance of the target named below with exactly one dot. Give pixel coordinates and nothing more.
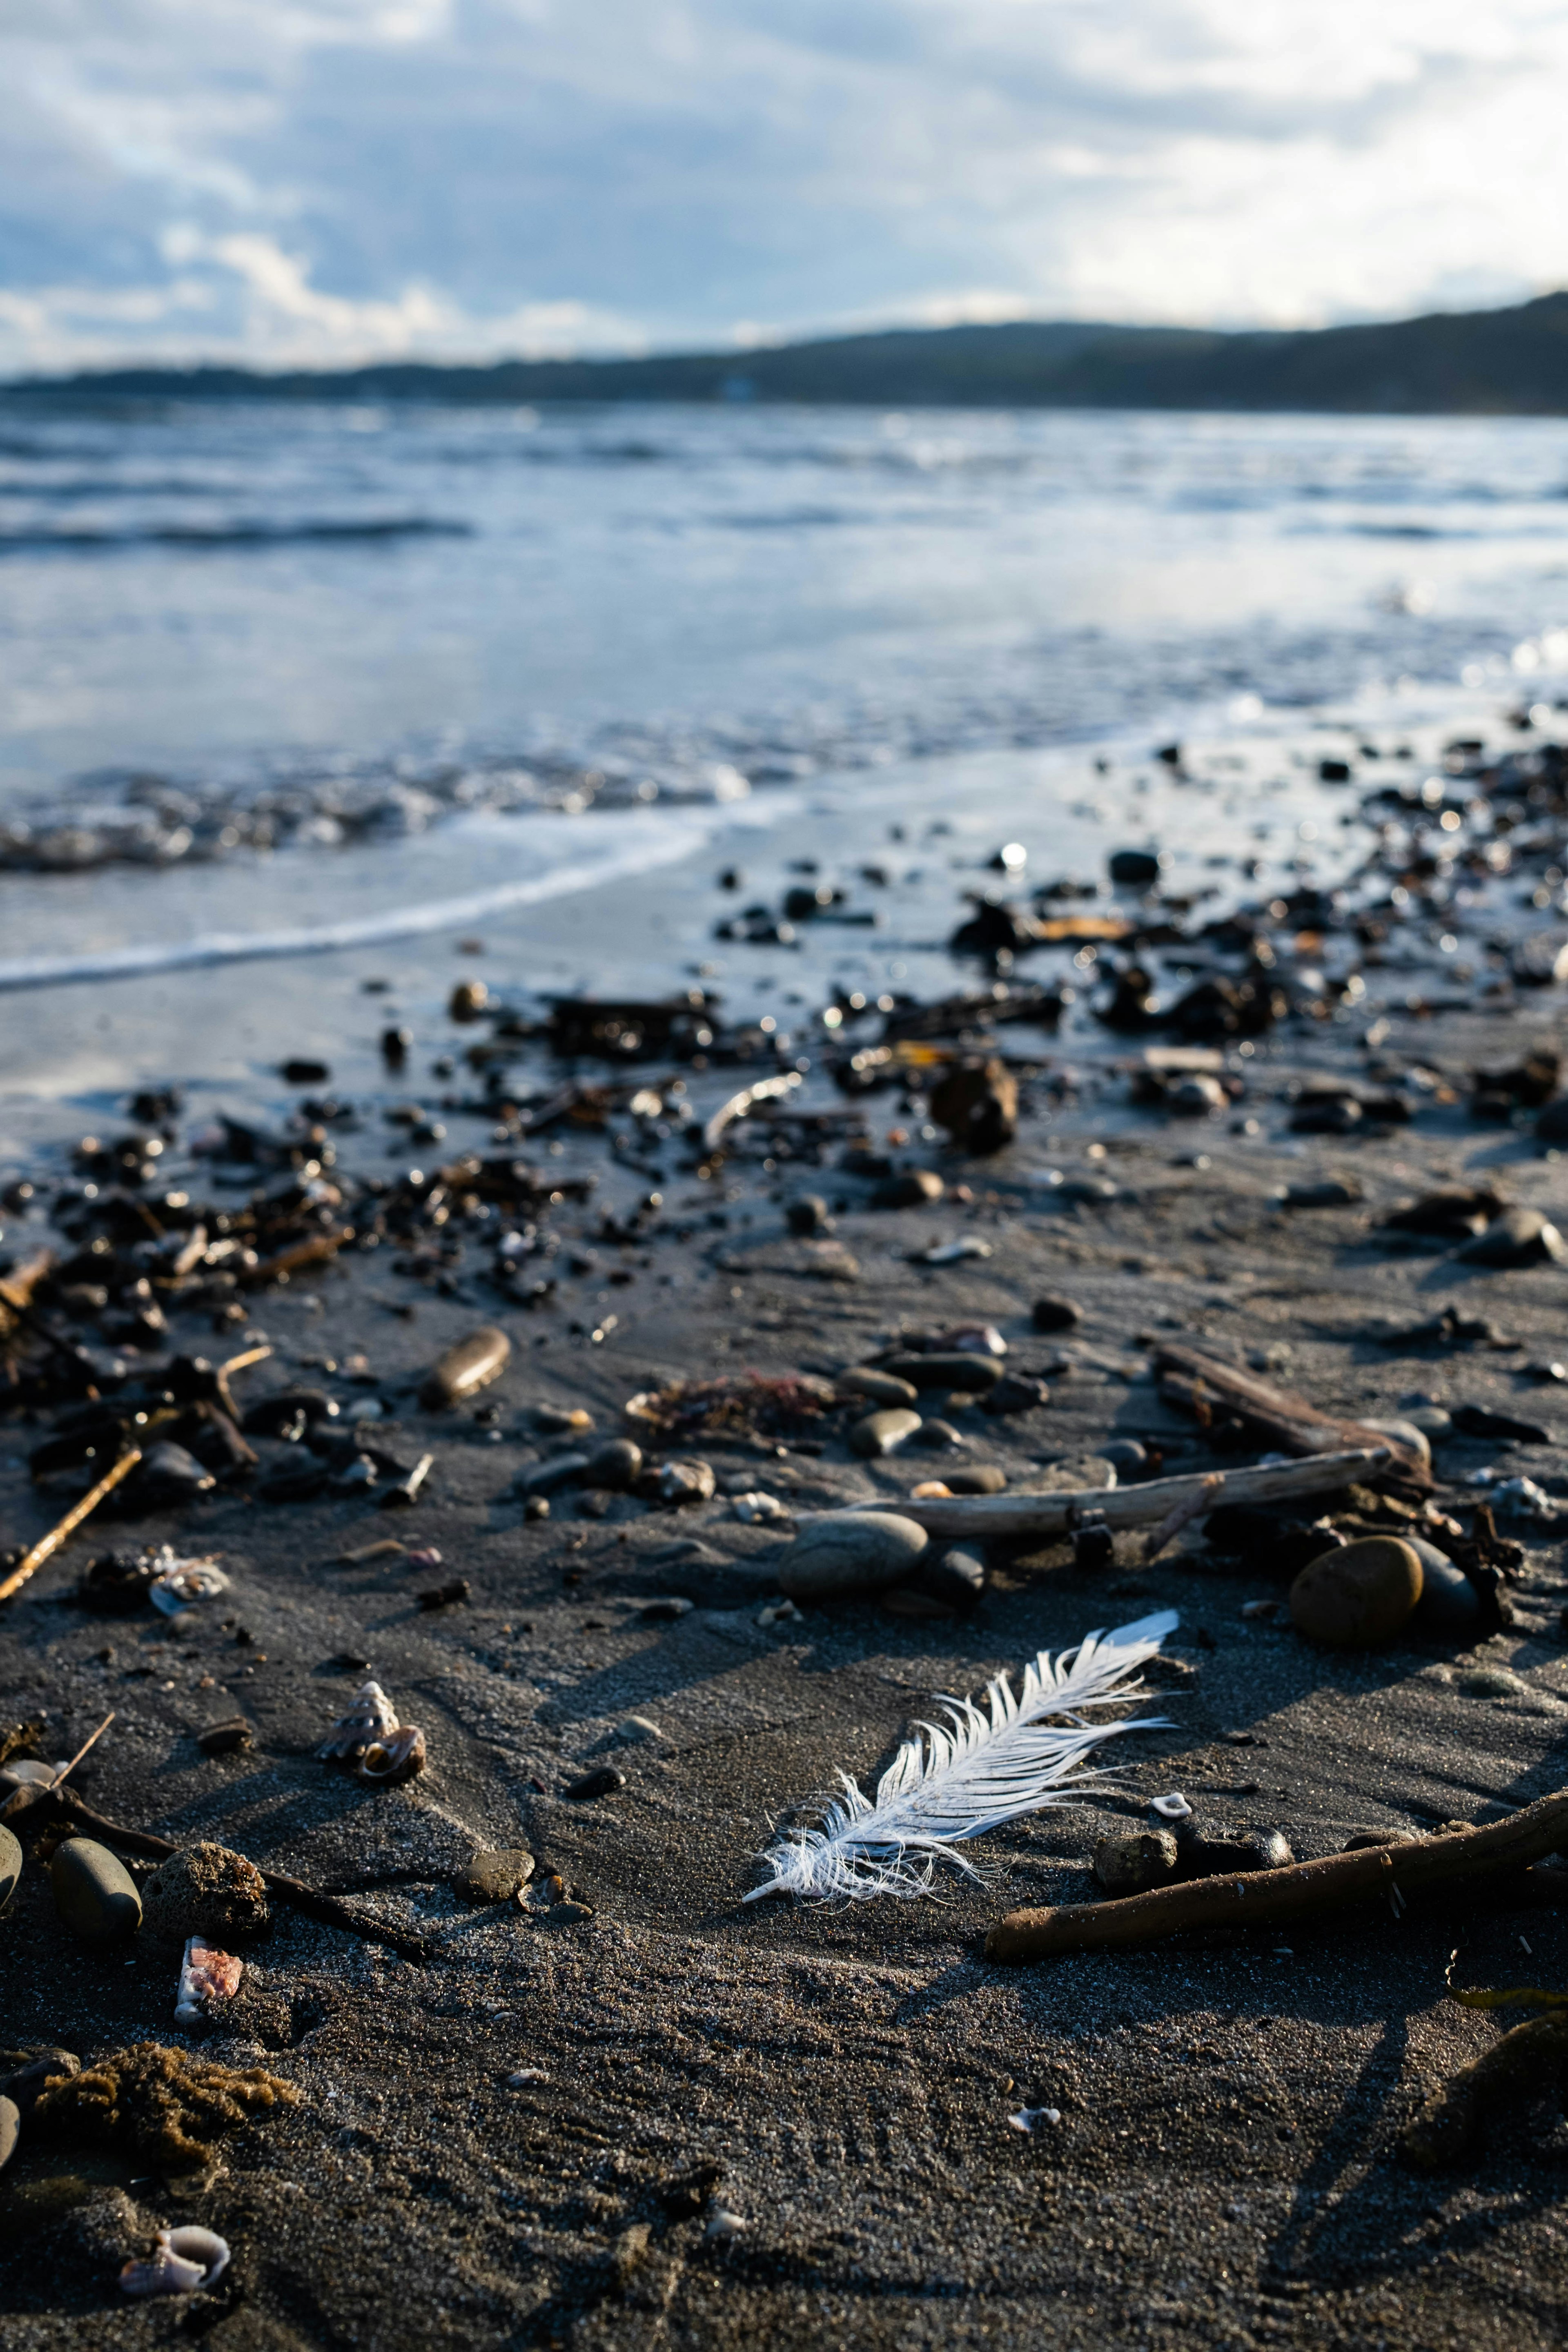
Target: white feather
(955, 1780)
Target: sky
(321, 181)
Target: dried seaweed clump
(744, 1404)
(164, 2106)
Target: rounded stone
(1450, 1609)
(877, 1388)
(1361, 1593)
(495, 1877)
(206, 1890)
(1133, 1864)
(919, 1188)
(95, 1894)
(1516, 1237)
(952, 1577)
(937, 1437)
(1408, 1434)
(10, 2125)
(1056, 1314)
(883, 1431)
(972, 1374)
(849, 1552)
(617, 1465)
(10, 1865)
(979, 1478)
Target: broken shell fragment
(398, 1757)
(181, 2260)
(179, 1583)
(471, 1365)
(207, 1976)
(370, 1716)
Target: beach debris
(1358, 1593)
(203, 1890)
(183, 2262)
(954, 1781)
(1273, 1898)
(178, 1584)
(743, 1404)
(967, 1246)
(223, 1738)
(396, 1755)
(1027, 2119)
(1221, 1397)
(162, 2104)
(369, 1715)
(740, 1105)
(1055, 1511)
(688, 1480)
(840, 1553)
(1171, 1808)
(469, 1365)
(64, 1528)
(94, 1893)
(405, 1491)
(977, 1103)
(207, 1975)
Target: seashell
(207, 1975)
(181, 2260)
(371, 1716)
(179, 1583)
(398, 1757)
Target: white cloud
(316, 180)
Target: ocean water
(293, 678)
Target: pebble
(1017, 1393)
(1074, 1474)
(1360, 1593)
(883, 1431)
(849, 1552)
(878, 1387)
(617, 1465)
(1128, 1457)
(94, 1893)
(1405, 1433)
(954, 1578)
(471, 1365)
(937, 1437)
(1056, 1314)
(554, 1419)
(917, 1188)
(636, 1729)
(10, 2128)
(1131, 1864)
(1491, 1682)
(690, 1480)
(545, 1476)
(1450, 1608)
(977, 1103)
(1206, 1849)
(1138, 868)
(666, 1610)
(206, 1890)
(810, 1215)
(1333, 1192)
(979, 1478)
(495, 1876)
(756, 1508)
(603, 1781)
(10, 1865)
(1516, 1237)
(963, 1370)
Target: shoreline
(527, 2138)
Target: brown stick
(327, 1908)
(1277, 1416)
(67, 1770)
(1130, 1506)
(49, 1544)
(1269, 1899)
(1196, 1506)
(299, 1254)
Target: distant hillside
(1482, 362)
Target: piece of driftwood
(1155, 1501)
(46, 1546)
(1301, 1890)
(740, 1105)
(38, 1803)
(1279, 1418)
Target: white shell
(207, 1976)
(398, 1757)
(182, 2260)
(1173, 1807)
(371, 1716)
(181, 1582)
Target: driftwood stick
(326, 1908)
(738, 1105)
(1196, 1506)
(1131, 1506)
(1271, 1898)
(48, 1545)
(1276, 1417)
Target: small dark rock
(601, 1782)
(917, 1187)
(1056, 1314)
(808, 1215)
(1139, 869)
(1206, 1849)
(1134, 1864)
(962, 1371)
(1017, 1393)
(223, 1738)
(1479, 1421)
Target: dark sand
(1225, 2170)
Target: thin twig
(1193, 1507)
(67, 1770)
(48, 1545)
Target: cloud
(317, 180)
